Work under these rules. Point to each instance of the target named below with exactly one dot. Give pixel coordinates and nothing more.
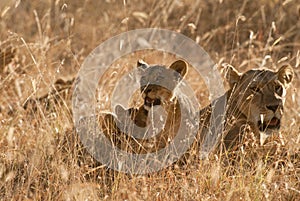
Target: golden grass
(41, 157)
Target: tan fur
(255, 100)
(254, 103)
(153, 95)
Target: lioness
(255, 100)
(156, 90)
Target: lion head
(259, 95)
(158, 82)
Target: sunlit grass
(41, 155)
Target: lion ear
(232, 76)
(119, 109)
(142, 64)
(285, 75)
(180, 67)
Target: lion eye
(255, 89)
(278, 89)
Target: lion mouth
(152, 102)
(273, 124)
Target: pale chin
(265, 134)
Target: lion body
(254, 103)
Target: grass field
(42, 46)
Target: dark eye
(255, 89)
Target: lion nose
(273, 107)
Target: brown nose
(273, 107)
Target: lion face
(158, 82)
(260, 95)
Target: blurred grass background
(43, 44)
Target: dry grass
(41, 158)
